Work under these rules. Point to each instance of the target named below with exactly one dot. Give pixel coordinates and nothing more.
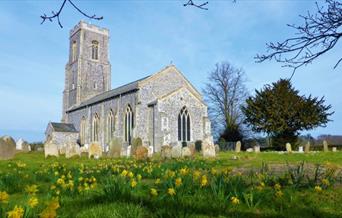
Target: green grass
(112, 196)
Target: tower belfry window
(95, 50)
(73, 51)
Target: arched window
(95, 128)
(110, 125)
(83, 130)
(129, 124)
(184, 126)
(95, 50)
(73, 51)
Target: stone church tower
(87, 72)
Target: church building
(163, 108)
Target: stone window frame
(184, 125)
(111, 118)
(128, 124)
(95, 130)
(95, 50)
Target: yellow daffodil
(157, 182)
(171, 191)
(33, 202)
(235, 200)
(153, 192)
(124, 173)
(33, 189)
(133, 183)
(204, 181)
(4, 197)
(178, 182)
(279, 194)
(139, 177)
(318, 189)
(325, 182)
(277, 186)
(17, 212)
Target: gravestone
(256, 149)
(72, 149)
(84, 149)
(150, 151)
(300, 149)
(217, 148)
(288, 147)
(334, 149)
(176, 151)
(166, 151)
(115, 147)
(307, 147)
(325, 146)
(192, 148)
(238, 146)
(51, 149)
(141, 153)
(249, 149)
(95, 150)
(208, 150)
(186, 152)
(7, 148)
(22, 145)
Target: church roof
(63, 127)
(130, 87)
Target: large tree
(225, 92)
(281, 112)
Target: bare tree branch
(57, 15)
(318, 35)
(200, 6)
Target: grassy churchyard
(266, 184)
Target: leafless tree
(319, 34)
(57, 14)
(224, 93)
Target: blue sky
(145, 37)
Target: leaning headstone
(72, 149)
(186, 152)
(249, 149)
(325, 146)
(7, 148)
(307, 147)
(95, 150)
(238, 146)
(300, 149)
(288, 147)
(176, 151)
(166, 151)
(256, 149)
(141, 153)
(22, 145)
(115, 147)
(50, 149)
(334, 149)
